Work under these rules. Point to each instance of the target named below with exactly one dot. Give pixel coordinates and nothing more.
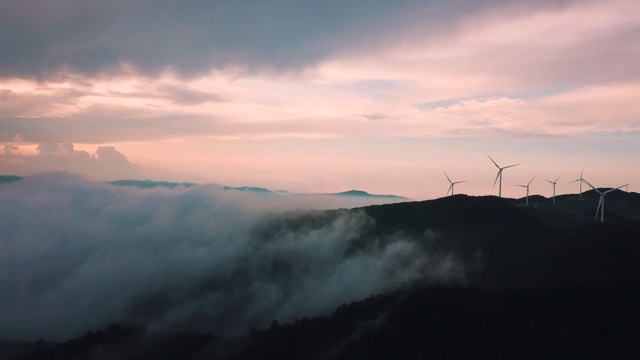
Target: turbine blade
(531, 181)
(610, 190)
(593, 187)
(558, 178)
(599, 205)
(458, 182)
(445, 174)
(450, 189)
(506, 167)
(497, 176)
(494, 163)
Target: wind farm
(576, 207)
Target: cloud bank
(106, 164)
(76, 256)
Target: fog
(76, 256)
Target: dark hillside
(487, 232)
(599, 254)
(464, 323)
(572, 210)
(574, 323)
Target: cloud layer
(192, 37)
(78, 256)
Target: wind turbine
(581, 179)
(452, 183)
(500, 175)
(554, 187)
(527, 186)
(600, 207)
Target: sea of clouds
(76, 256)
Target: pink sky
(382, 99)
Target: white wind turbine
(600, 207)
(527, 186)
(500, 175)
(554, 187)
(452, 183)
(581, 179)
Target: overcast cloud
(42, 38)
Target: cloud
(190, 96)
(93, 37)
(77, 256)
(380, 60)
(106, 164)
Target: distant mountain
(9, 178)
(360, 193)
(350, 193)
(147, 184)
(250, 189)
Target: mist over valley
(189, 258)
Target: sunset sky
(324, 96)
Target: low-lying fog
(76, 256)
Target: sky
(312, 96)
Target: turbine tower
(527, 186)
(452, 183)
(600, 207)
(581, 179)
(554, 187)
(500, 175)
